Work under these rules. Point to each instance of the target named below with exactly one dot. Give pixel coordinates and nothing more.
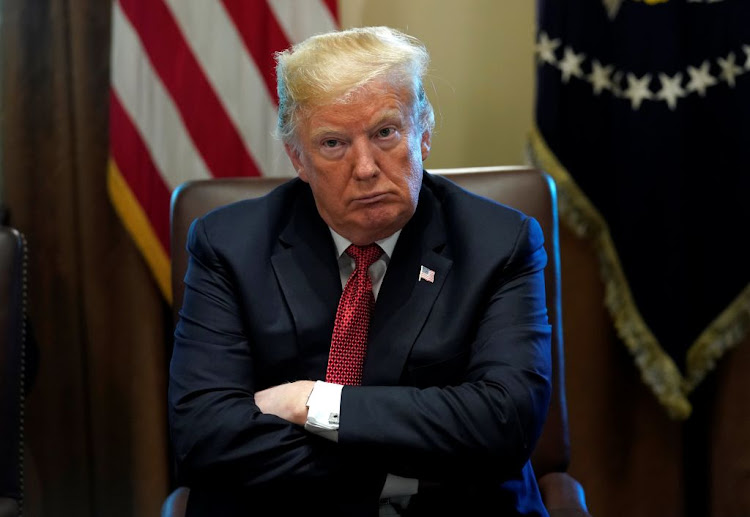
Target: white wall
(482, 71)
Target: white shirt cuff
(323, 406)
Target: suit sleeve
(218, 433)
(490, 420)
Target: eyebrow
(317, 133)
(389, 115)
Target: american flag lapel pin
(427, 274)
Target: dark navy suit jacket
(456, 381)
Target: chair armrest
(175, 504)
(563, 495)
(8, 507)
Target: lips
(371, 198)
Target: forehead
(366, 105)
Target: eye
(386, 132)
(330, 143)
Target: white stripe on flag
(233, 74)
(301, 20)
(150, 107)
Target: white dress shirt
(324, 402)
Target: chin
(383, 224)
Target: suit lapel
(306, 269)
(405, 301)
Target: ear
(294, 155)
(426, 144)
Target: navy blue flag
(643, 117)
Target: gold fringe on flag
(723, 334)
(657, 369)
(138, 226)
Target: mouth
(370, 199)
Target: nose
(364, 162)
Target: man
(286, 394)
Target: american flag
(427, 274)
(193, 96)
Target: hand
(287, 401)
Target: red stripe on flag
(333, 6)
(208, 124)
(134, 161)
(262, 35)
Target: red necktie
(349, 341)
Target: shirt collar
(387, 244)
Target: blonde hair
(327, 68)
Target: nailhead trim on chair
(22, 376)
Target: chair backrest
(12, 343)
(526, 189)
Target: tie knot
(364, 256)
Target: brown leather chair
(529, 190)
(12, 369)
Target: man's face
(363, 161)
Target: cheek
(415, 156)
(412, 183)
(305, 169)
(413, 179)
(331, 188)
(415, 184)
